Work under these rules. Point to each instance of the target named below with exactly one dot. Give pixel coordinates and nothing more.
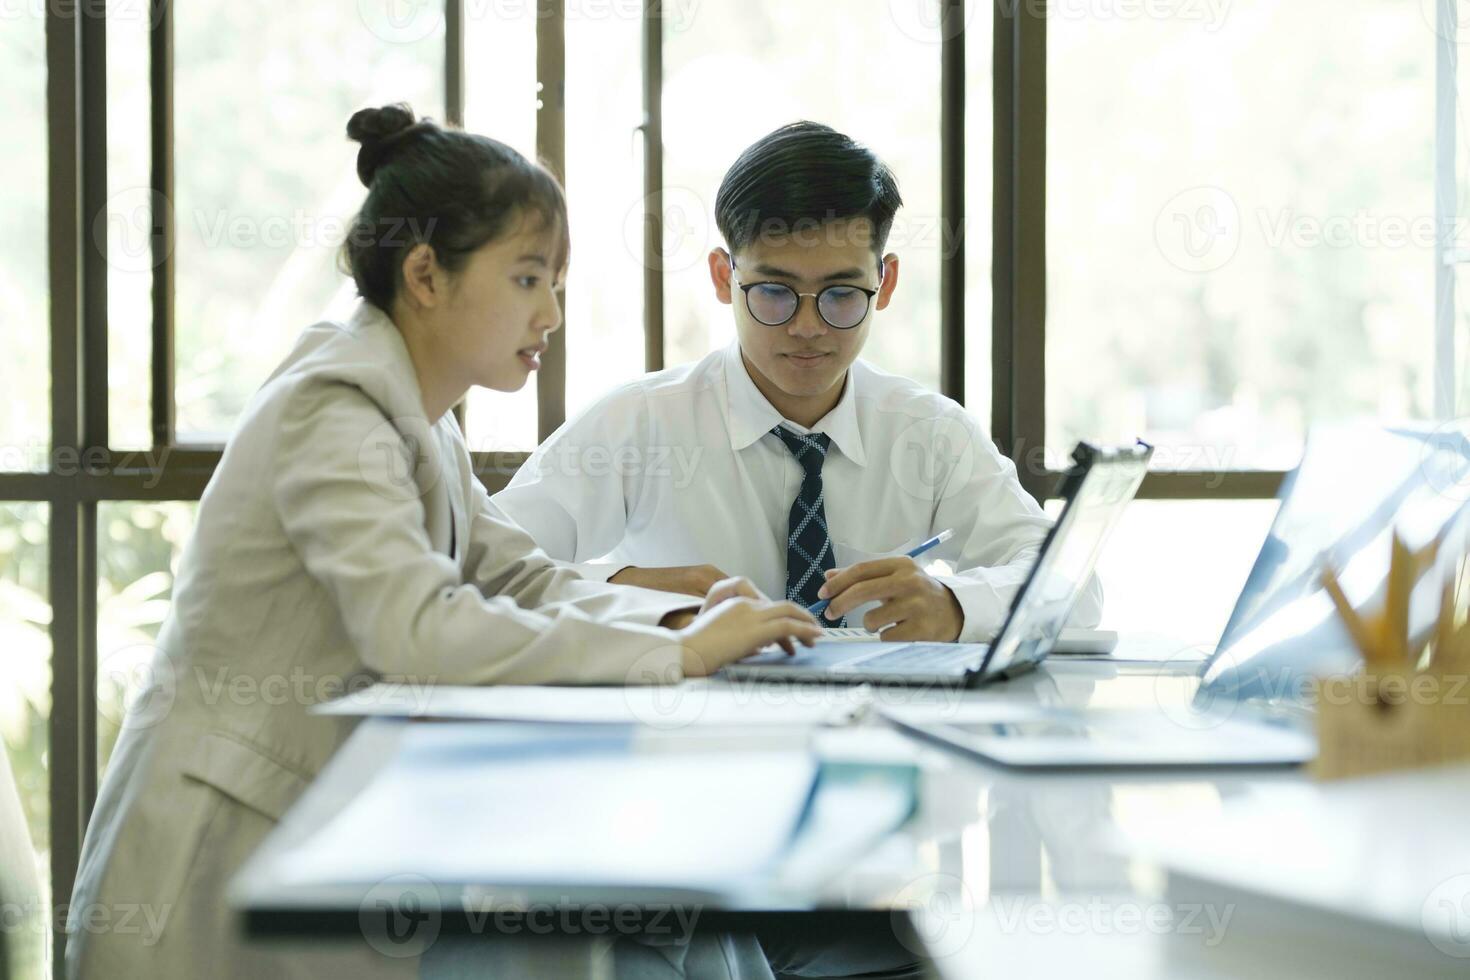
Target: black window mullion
(653, 186)
(76, 60)
(92, 375)
(454, 99)
(161, 184)
(1018, 317)
(94, 436)
(1211, 485)
(551, 142)
(71, 775)
(952, 201)
(64, 209)
(1204, 484)
(454, 81)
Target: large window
(734, 72)
(265, 182)
(128, 227)
(138, 549)
(1241, 225)
(1173, 568)
(1241, 238)
(25, 694)
(26, 421)
(25, 427)
(604, 174)
(501, 100)
(1206, 224)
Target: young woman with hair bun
(345, 538)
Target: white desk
(1003, 873)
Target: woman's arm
(502, 559)
(406, 607)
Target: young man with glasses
(784, 457)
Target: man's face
(805, 357)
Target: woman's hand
(689, 579)
(736, 621)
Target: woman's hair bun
(378, 130)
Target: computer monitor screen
(1068, 559)
(1355, 485)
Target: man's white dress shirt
(680, 468)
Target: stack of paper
(459, 809)
(691, 703)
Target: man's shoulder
(684, 380)
(658, 392)
(691, 378)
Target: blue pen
(817, 608)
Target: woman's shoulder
(364, 351)
(339, 389)
(356, 361)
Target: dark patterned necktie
(808, 547)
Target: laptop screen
(1355, 485)
(1097, 491)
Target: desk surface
(996, 869)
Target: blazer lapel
(385, 373)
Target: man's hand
(913, 605)
(685, 579)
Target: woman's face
(502, 306)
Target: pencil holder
(1376, 722)
(1410, 706)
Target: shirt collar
(751, 416)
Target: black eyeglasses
(775, 303)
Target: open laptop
(1097, 489)
(1356, 485)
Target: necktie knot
(810, 449)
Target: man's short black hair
(798, 178)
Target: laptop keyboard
(921, 656)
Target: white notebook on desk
(456, 806)
(694, 702)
